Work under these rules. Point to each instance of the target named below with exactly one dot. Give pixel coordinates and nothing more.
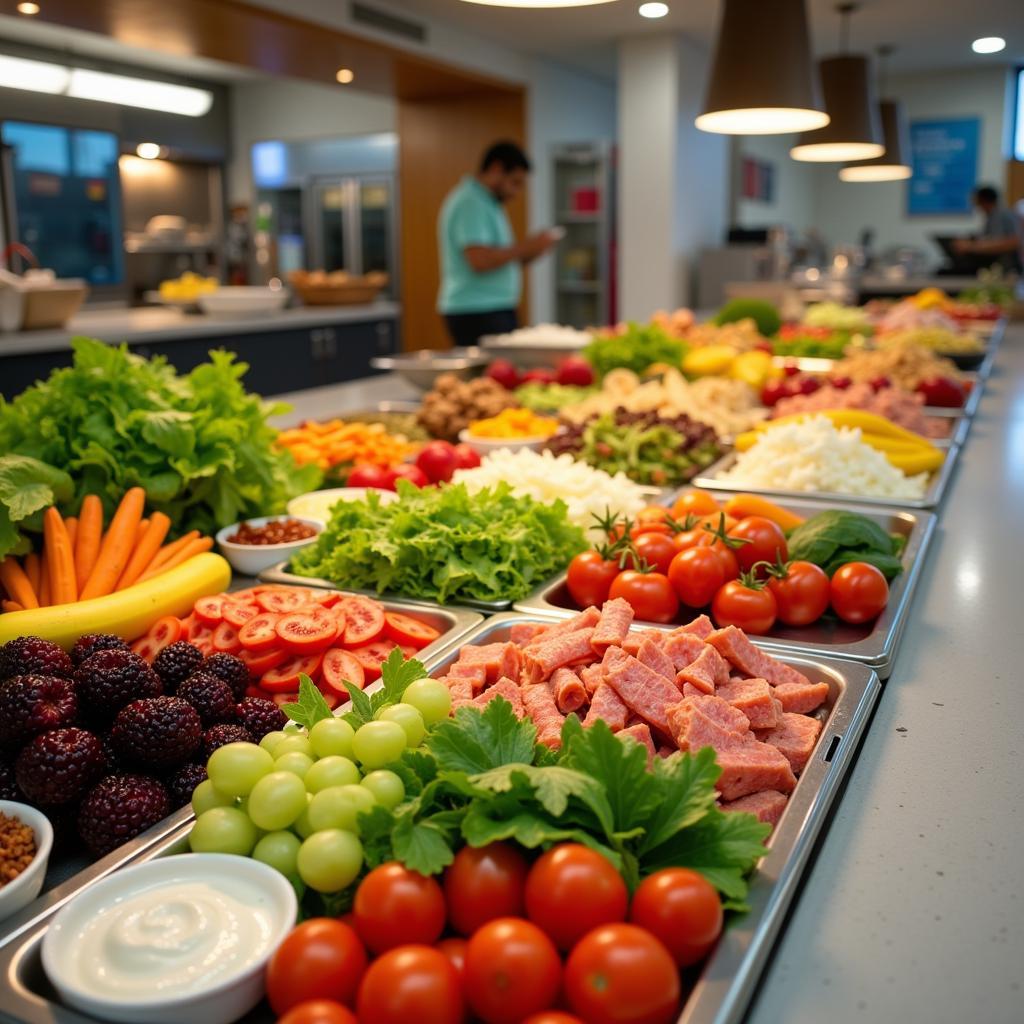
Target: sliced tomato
(258, 662)
(364, 620)
(186, 625)
(341, 666)
(255, 691)
(305, 632)
(371, 656)
(285, 677)
(210, 610)
(202, 637)
(166, 630)
(407, 651)
(282, 599)
(247, 596)
(404, 629)
(238, 614)
(259, 634)
(225, 639)
(327, 598)
(281, 699)
(145, 648)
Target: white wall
(793, 203)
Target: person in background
(1000, 240)
(481, 279)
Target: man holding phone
(481, 279)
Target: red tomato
(572, 889)
(512, 970)
(145, 649)
(404, 629)
(680, 908)
(225, 639)
(237, 613)
(696, 575)
(465, 457)
(319, 959)
(686, 539)
(653, 514)
(656, 549)
(284, 678)
(210, 610)
(166, 630)
(281, 600)
(364, 620)
(590, 578)
(455, 950)
(752, 610)
(801, 596)
(728, 560)
(410, 472)
(411, 983)
(695, 503)
(372, 656)
(437, 461)
(368, 475)
(306, 632)
(765, 542)
(340, 666)
(650, 594)
(621, 974)
(395, 906)
(260, 633)
(258, 662)
(483, 883)
(858, 592)
(319, 1011)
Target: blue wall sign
(944, 156)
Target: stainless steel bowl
(423, 367)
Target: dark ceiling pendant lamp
(762, 80)
(894, 163)
(854, 131)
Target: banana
(127, 613)
(913, 463)
(866, 422)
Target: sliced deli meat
(461, 690)
(642, 734)
(541, 658)
(754, 698)
(682, 648)
(766, 806)
(794, 737)
(733, 645)
(643, 690)
(539, 704)
(651, 654)
(506, 688)
(706, 672)
(613, 625)
(607, 705)
(522, 633)
(801, 698)
(702, 626)
(592, 676)
(570, 693)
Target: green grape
(293, 745)
(294, 762)
(291, 728)
(329, 861)
(236, 767)
(386, 787)
(206, 795)
(223, 830)
(280, 850)
(377, 743)
(302, 824)
(338, 807)
(332, 736)
(270, 742)
(277, 800)
(430, 698)
(409, 719)
(331, 771)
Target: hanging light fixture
(762, 81)
(893, 164)
(854, 131)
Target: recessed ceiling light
(653, 10)
(988, 44)
(345, 75)
(27, 7)
(148, 150)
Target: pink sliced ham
(570, 693)
(801, 698)
(476, 674)
(613, 625)
(461, 690)
(506, 688)
(794, 737)
(701, 626)
(754, 698)
(631, 645)
(583, 620)
(651, 655)
(592, 676)
(540, 659)
(643, 690)
(642, 734)
(766, 806)
(497, 659)
(682, 648)
(607, 705)
(707, 671)
(539, 703)
(522, 633)
(733, 645)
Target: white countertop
(158, 323)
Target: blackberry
(183, 780)
(231, 670)
(58, 766)
(92, 642)
(260, 716)
(210, 696)
(108, 680)
(118, 808)
(220, 735)
(157, 731)
(175, 663)
(30, 705)
(31, 655)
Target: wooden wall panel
(1014, 181)
(439, 141)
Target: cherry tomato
(653, 514)
(651, 527)
(319, 959)
(858, 592)
(696, 576)
(572, 889)
(437, 461)
(455, 950)
(372, 656)
(238, 613)
(411, 983)
(727, 559)
(685, 539)
(404, 629)
(483, 883)
(512, 970)
(408, 471)
(621, 974)
(680, 908)
(210, 610)
(695, 503)
(656, 549)
(319, 1011)
(339, 667)
(752, 610)
(304, 632)
(650, 594)
(281, 600)
(284, 678)
(364, 620)
(368, 475)
(258, 662)
(801, 596)
(395, 906)
(765, 542)
(465, 457)
(225, 639)
(590, 578)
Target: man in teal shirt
(480, 259)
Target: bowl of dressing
(182, 938)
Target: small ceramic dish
(22, 890)
(485, 445)
(318, 504)
(252, 559)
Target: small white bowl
(251, 559)
(241, 301)
(317, 505)
(223, 1000)
(485, 445)
(25, 888)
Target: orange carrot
(17, 584)
(87, 543)
(11, 606)
(117, 545)
(71, 525)
(60, 558)
(141, 532)
(31, 567)
(190, 550)
(44, 580)
(168, 550)
(145, 550)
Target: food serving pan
(527, 356)
(722, 991)
(874, 644)
(423, 367)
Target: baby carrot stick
(141, 531)
(44, 580)
(60, 558)
(145, 550)
(71, 525)
(168, 550)
(31, 568)
(17, 584)
(11, 606)
(117, 545)
(190, 550)
(87, 543)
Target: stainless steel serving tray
(959, 422)
(875, 645)
(726, 984)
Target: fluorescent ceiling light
(139, 92)
(33, 75)
(535, 4)
(653, 10)
(988, 44)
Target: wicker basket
(315, 291)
